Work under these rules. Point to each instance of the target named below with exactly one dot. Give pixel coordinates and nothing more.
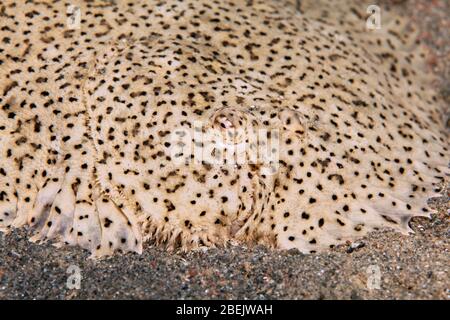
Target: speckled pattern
(412, 267)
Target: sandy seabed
(410, 267)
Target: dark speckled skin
(413, 267)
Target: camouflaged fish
(93, 95)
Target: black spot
(321, 222)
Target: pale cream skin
(89, 111)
